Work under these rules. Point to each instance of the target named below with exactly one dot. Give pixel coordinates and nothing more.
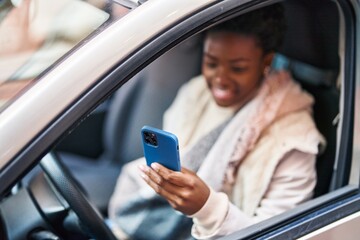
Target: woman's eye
(239, 69)
(211, 65)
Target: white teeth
(222, 92)
(221, 87)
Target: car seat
(310, 52)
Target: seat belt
(304, 72)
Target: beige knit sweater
(272, 168)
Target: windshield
(36, 33)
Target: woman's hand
(184, 190)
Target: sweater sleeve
(292, 183)
(128, 185)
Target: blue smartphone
(161, 147)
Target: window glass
(36, 33)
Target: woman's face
(233, 66)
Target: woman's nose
(221, 75)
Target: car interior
(110, 137)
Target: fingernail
(142, 168)
(155, 166)
(143, 176)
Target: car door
(119, 57)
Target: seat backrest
(144, 99)
(313, 38)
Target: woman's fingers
(174, 177)
(159, 184)
(184, 190)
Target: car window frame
(342, 173)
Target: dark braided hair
(266, 24)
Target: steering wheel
(88, 214)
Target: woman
(247, 134)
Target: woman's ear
(267, 63)
(268, 59)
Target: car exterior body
(34, 121)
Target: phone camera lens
(150, 138)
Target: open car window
(315, 60)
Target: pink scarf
(278, 96)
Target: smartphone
(161, 147)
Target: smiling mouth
(222, 93)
